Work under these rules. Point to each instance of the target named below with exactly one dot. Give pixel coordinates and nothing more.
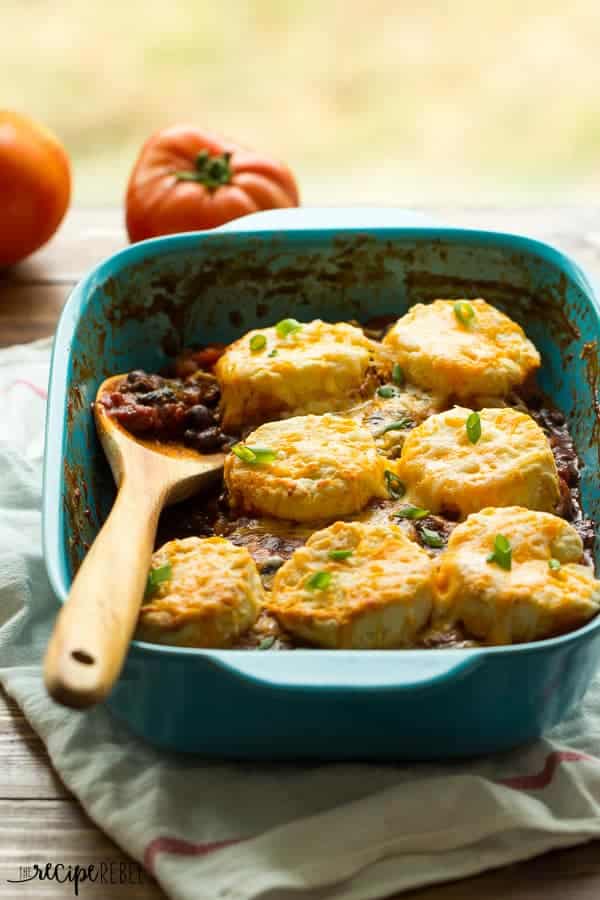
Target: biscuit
(485, 355)
(355, 586)
(317, 468)
(510, 464)
(546, 591)
(314, 368)
(210, 595)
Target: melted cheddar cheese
(482, 356)
(510, 464)
(324, 467)
(377, 596)
(531, 599)
(317, 368)
(212, 596)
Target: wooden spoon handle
(93, 629)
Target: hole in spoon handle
(81, 656)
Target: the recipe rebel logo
(103, 872)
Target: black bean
(199, 417)
(223, 502)
(137, 375)
(210, 394)
(160, 395)
(206, 441)
(228, 441)
(138, 381)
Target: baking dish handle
(404, 670)
(329, 218)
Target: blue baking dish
(138, 308)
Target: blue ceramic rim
(56, 418)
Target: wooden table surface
(39, 819)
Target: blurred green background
(369, 101)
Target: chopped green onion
(464, 312)
(393, 426)
(157, 577)
(395, 487)
(474, 427)
(397, 375)
(431, 538)
(387, 391)
(554, 564)
(502, 553)
(264, 454)
(254, 455)
(340, 554)
(319, 581)
(258, 342)
(412, 512)
(266, 643)
(287, 326)
(272, 353)
(244, 453)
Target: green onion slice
(394, 486)
(397, 375)
(254, 455)
(272, 353)
(394, 426)
(502, 553)
(412, 512)
(266, 643)
(244, 453)
(157, 577)
(431, 537)
(387, 391)
(474, 427)
(554, 564)
(340, 554)
(287, 326)
(258, 342)
(464, 312)
(319, 581)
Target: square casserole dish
(141, 306)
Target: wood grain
(36, 832)
(38, 818)
(29, 311)
(25, 770)
(562, 875)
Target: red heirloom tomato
(187, 180)
(35, 186)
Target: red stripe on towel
(34, 387)
(180, 847)
(542, 779)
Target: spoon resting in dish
(95, 626)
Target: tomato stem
(211, 171)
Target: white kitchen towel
(210, 830)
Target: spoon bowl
(94, 627)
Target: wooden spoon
(94, 627)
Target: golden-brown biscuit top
(208, 594)
(317, 467)
(355, 585)
(479, 352)
(510, 463)
(529, 587)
